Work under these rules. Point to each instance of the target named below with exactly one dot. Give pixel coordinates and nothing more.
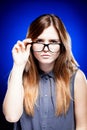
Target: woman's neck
(46, 67)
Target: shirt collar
(43, 74)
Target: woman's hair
(65, 66)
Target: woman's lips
(45, 55)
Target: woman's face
(46, 55)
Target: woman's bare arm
(13, 101)
(81, 101)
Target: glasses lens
(54, 47)
(38, 46)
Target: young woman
(46, 89)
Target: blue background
(15, 18)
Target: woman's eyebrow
(40, 40)
(50, 40)
(54, 40)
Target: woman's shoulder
(80, 81)
(80, 76)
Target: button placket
(46, 91)
(45, 105)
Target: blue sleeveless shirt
(44, 112)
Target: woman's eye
(53, 41)
(39, 41)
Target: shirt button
(45, 95)
(44, 128)
(46, 77)
(45, 113)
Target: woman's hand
(21, 51)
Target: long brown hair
(64, 67)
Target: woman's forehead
(49, 33)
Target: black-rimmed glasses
(52, 47)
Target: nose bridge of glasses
(46, 47)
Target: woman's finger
(19, 46)
(27, 41)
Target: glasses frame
(46, 45)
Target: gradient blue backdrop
(16, 17)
